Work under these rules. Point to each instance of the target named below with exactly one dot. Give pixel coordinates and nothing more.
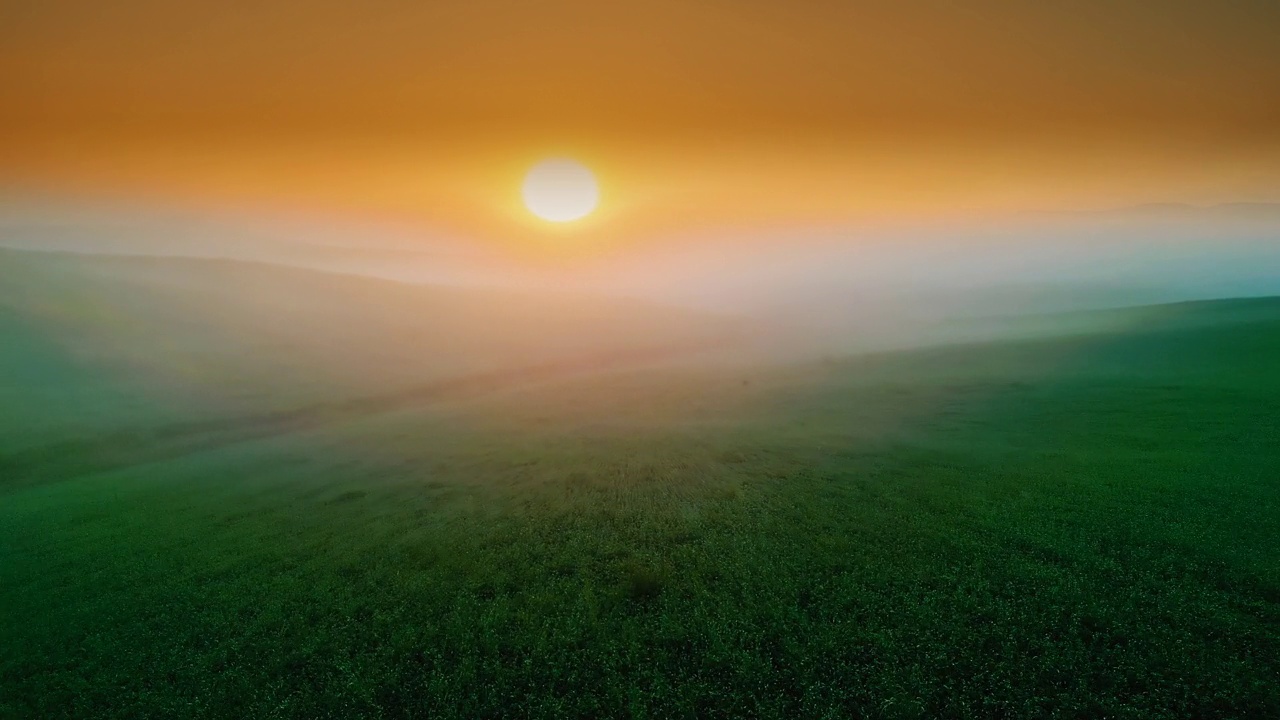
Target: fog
(808, 290)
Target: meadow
(1083, 524)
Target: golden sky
(693, 112)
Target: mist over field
(804, 289)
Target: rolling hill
(95, 342)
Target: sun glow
(560, 190)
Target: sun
(560, 190)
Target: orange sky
(693, 112)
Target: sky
(695, 114)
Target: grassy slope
(1071, 528)
(99, 344)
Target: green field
(1077, 525)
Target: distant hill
(95, 340)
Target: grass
(1072, 527)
